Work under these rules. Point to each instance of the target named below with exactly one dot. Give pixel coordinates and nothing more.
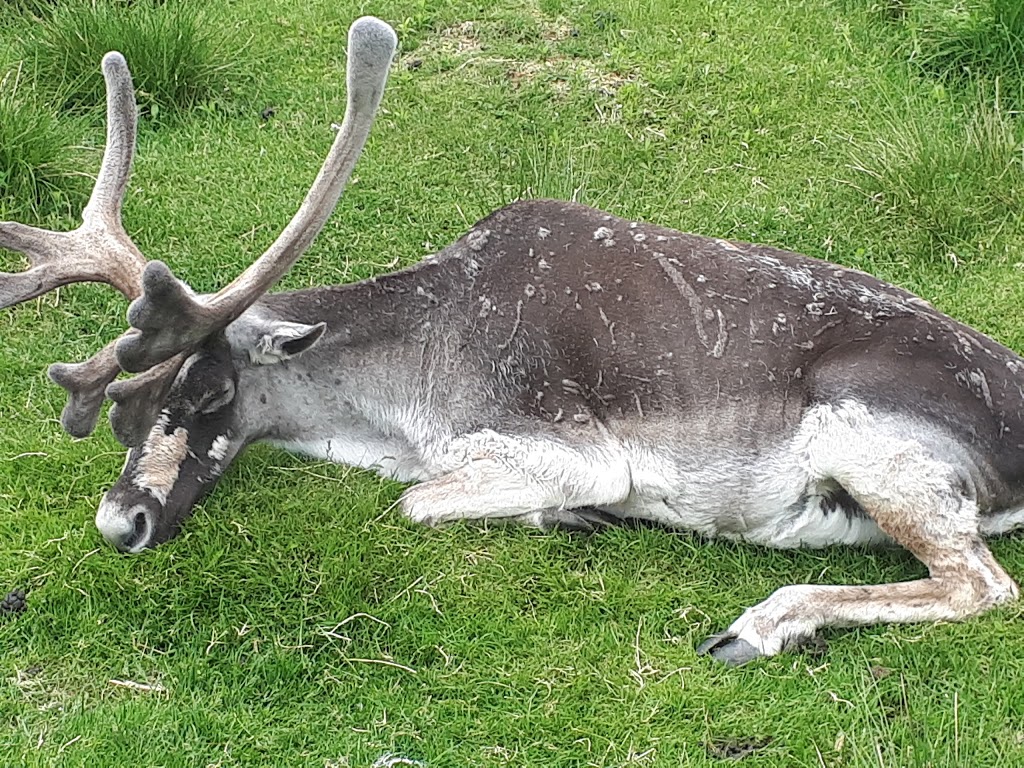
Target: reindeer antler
(169, 321)
(170, 318)
(98, 251)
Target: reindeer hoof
(728, 649)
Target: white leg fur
(489, 475)
(914, 498)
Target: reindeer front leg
(492, 475)
(923, 505)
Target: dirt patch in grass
(465, 45)
(459, 40)
(561, 71)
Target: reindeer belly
(822, 516)
(743, 498)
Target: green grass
(983, 38)
(949, 176)
(32, 9)
(959, 43)
(298, 620)
(37, 165)
(182, 53)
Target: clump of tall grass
(43, 9)
(962, 41)
(953, 183)
(179, 56)
(978, 38)
(39, 9)
(37, 176)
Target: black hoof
(728, 649)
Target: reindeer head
(181, 414)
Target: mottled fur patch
(162, 455)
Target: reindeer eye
(217, 398)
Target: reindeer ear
(277, 340)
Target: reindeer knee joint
(975, 588)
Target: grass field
(299, 620)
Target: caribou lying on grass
(561, 366)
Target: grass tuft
(964, 43)
(36, 164)
(976, 39)
(37, 9)
(956, 183)
(180, 57)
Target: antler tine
(104, 206)
(137, 401)
(99, 250)
(86, 384)
(170, 318)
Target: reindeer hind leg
(922, 503)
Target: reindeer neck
(356, 396)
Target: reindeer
(560, 366)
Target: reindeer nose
(128, 527)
